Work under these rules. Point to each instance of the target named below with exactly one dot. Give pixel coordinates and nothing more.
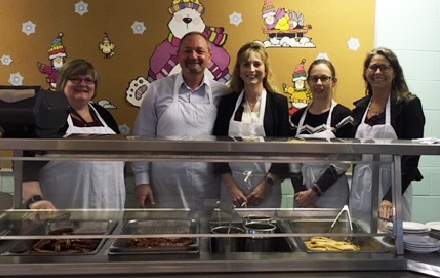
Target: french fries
(327, 244)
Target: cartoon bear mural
(186, 17)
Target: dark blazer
(276, 115)
(408, 121)
(276, 123)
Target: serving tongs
(347, 211)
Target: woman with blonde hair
(252, 109)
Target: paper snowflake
(322, 56)
(28, 28)
(138, 27)
(81, 8)
(16, 79)
(354, 44)
(6, 60)
(124, 128)
(235, 18)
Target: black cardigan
(31, 168)
(276, 123)
(408, 121)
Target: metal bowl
(224, 244)
(259, 228)
(256, 219)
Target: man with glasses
(184, 104)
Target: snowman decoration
(186, 17)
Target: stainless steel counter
(132, 148)
(290, 263)
(210, 148)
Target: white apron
(360, 197)
(337, 195)
(249, 175)
(84, 184)
(185, 184)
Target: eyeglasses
(79, 80)
(324, 79)
(382, 68)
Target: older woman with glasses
(389, 111)
(77, 184)
(321, 185)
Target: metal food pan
(249, 244)
(366, 244)
(76, 227)
(156, 226)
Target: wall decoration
(285, 28)
(16, 79)
(186, 17)
(57, 58)
(6, 60)
(136, 90)
(322, 56)
(235, 18)
(81, 8)
(107, 104)
(354, 44)
(107, 47)
(129, 25)
(124, 128)
(300, 95)
(28, 28)
(138, 28)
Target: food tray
(156, 226)
(76, 227)
(366, 244)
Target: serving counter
(192, 245)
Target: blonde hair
(243, 54)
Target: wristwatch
(33, 199)
(269, 180)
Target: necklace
(375, 111)
(252, 105)
(80, 121)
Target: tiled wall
(6, 181)
(412, 29)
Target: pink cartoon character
(57, 56)
(187, 17)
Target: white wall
(412, 30)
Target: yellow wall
(334, 22)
